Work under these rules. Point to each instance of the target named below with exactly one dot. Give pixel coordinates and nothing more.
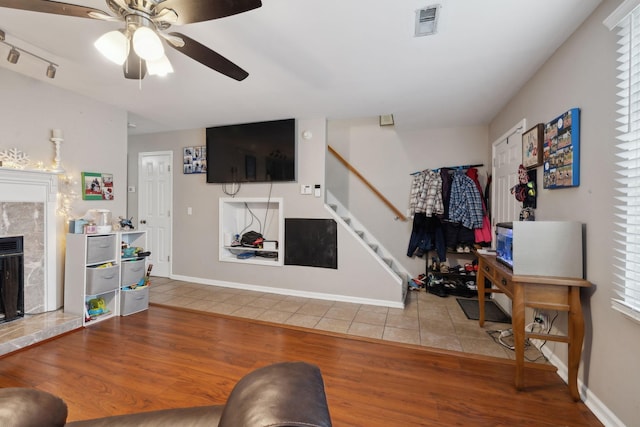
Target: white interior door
(507, 157)
(155, 196)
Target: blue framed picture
(561, 151)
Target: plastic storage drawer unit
(134, 300)
(101, 248)
(132, 272)
(100, 280)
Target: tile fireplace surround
(28, 203)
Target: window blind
(627, 241)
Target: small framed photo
(194, 159)
(532, 146)
(97, 186)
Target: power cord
(499, 337)
(233, 191)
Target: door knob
(143, 221)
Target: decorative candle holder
(56, 138)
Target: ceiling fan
(138, 46)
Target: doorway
(155, 205)
(507, 157)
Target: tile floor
(427, 320)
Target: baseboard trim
(599, 409)
(289, 292)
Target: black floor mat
(492, 311)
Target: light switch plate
(305, 189)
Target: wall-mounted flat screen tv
(252, 152)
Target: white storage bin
(134, 300)
(101, 280)
(101, 248)
(132, 272)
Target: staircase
(368, 240)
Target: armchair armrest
(289, 394)
(26, 407)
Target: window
(626, 21)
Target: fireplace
(11, 279)
(28, 202)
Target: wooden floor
(165, 358)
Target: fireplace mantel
(37, 186)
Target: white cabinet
(133, 269)
(96, 272)
(240, 215)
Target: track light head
(13, 55)
(51, 71)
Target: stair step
(374, 247)
(334, 207)
(360, 233)
(346, 219)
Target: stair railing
(375, 191)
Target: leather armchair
(289, 394)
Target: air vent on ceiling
(427, 20)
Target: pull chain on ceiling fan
(140, 41)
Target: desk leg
(480, 288)
(517, 324)
(576, 338)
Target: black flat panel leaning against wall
(311, 242)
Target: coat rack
(450, 167)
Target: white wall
(195, 237)
(386, 156)
(582, 74)
(95, 137)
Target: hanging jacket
(426, 194)
(465, 205)
(482, 234)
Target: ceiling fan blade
(209, 58)
(55, 7)
(174, 40)
(190, 11)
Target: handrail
(348, 165)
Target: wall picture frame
(194, 159)
(97, 186)
(561, 151)
(532, 146)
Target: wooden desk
(543, 292)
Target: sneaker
(459, 249)
(413, 286)
(438, 289)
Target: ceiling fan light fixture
(114, 46)
(159, 67)
(147, 44)
(13, 56)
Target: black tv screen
(252, 152)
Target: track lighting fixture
(51, 71)
(14, 55)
